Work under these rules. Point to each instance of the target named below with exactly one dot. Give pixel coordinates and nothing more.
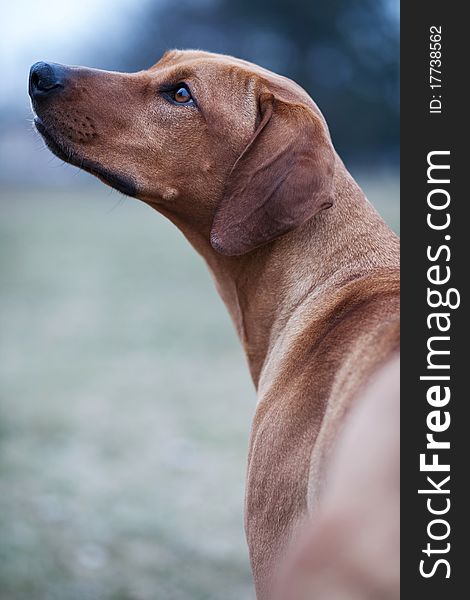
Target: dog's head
(239, 153)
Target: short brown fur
(308, 271)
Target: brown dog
(241, 160)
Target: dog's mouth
(54, 145)
(123, 183)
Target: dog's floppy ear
(282, 178)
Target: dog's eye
(178, 94)
(182, 95)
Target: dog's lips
(123, 183)
(54, 146)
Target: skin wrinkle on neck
(264, 294)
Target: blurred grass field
(125, 405)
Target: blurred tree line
(344, 52)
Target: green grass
(125, 406)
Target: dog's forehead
(203, 59)
(207, 64)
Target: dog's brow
(179, 74)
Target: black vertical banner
(435, 234)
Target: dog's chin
(123, 183)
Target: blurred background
(125, 403)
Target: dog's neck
(268, 288)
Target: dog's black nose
(45, 79)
